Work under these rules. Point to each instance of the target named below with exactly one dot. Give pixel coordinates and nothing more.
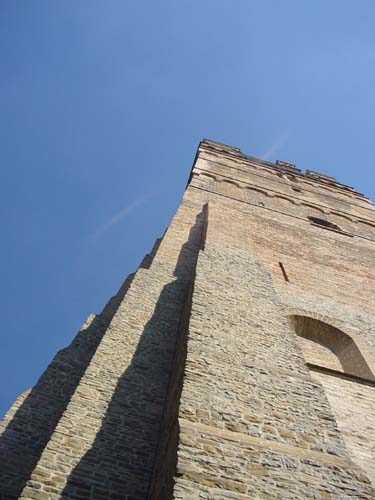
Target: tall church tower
(237, 362)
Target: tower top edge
(226, 150)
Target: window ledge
(335, 373)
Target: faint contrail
(124, 212)
(276, 145)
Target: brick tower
(238, 362)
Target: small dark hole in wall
(260, 203)
(296, 189)
(284, 272)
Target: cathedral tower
(237, 362)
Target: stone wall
(28, 425)
(352, 402)
(106, 443)
(192, 382)
(254, 424)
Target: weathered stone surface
(197, 381)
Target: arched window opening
(338, 366)
(324, 223)
(325, 346)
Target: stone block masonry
(254, 424)
(27, 427)
(195, 382)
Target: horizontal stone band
(238, 437)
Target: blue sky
(103, 104)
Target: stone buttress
(194, 382)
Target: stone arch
(308, 210)
(365, 229)
(210, 176)
(256, 196)
(283, 203)
(207, 180)
(342, 221)
(281, 197)
(257, 190)
(345, 372)
(329, 347)
(313, 208)
(229, 181)
(204, 181)
(228, 188)
(342, 216)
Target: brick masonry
(195, 382)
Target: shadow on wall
(139, 434)
(27, 433)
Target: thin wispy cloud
(277, 144)
(120, 215)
